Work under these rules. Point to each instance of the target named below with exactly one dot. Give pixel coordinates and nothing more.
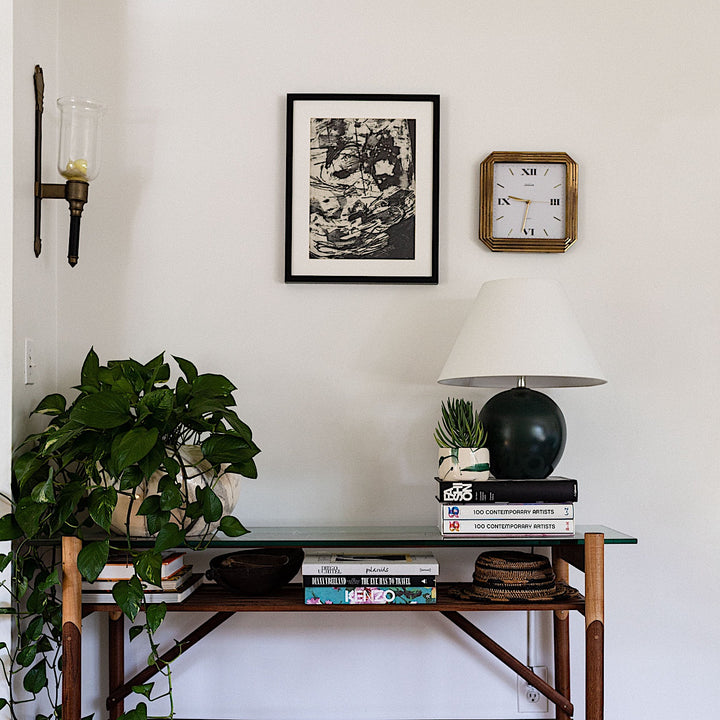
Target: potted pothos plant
(461, 438)
(127, 424)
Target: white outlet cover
(524, 703)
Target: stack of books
(507, 508)
(177, 579)
(369, 579)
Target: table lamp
(522, 333)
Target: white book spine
(331, 565)
(507, 511)
(507, 527)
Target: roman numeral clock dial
(528, 201)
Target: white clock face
(529, 200)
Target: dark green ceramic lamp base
(526, 434)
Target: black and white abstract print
(362, 188)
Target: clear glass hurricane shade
(79, 147)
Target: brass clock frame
(548, 245)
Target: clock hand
(527, 207)
(525, 200)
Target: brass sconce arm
(74, 190)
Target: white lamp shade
(521, 328)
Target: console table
(584, 550)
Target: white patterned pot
(463, 463)
(200, 474)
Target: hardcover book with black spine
(551, 489)
(427, 581)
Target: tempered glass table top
(393, 536)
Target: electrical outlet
(529, 698)
(30, 362)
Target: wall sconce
(78, 159)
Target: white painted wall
(6, 277)
(182, 250)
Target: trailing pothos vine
(126, 425)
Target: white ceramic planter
(200, 473)
(463, 463)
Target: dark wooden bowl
(259, 571)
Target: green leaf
(132, 446)
(103, 410)
(51, 405)
(154, 459)
(154, 615)
(150, 505)
(228, 449)
(170, 495)
(37, 602)
(36, 678)
(131, 478)
(26, 656)
(145, 689)
(155, 522)
(128, 595)
(172, 466)
(101, 503)
(210, 503)
(135, 631)
(138, 713)
(247, 469)
(9, 528)
(34, 629)
(147, 566)
(26, 466)
(52, 579)
(231, 526)
(169, 536)
(28, 514)
(68, 500)
(187, 368)
(157, 405)
(92, 558)
(212, 385)
(44, 492)
(90, 368)
(134, 373)
(237, 424)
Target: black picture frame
(362, 188)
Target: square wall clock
(528, 201)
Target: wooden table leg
(594, 625)
(561, 636)
(116, 659)
(71, 628)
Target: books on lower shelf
(172, 582)
(507, 508)
(370, 595)
(120, 565)
(348, 578)
(193, 581)
(347, 563)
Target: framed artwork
(362, 188)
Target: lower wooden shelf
(212, 598)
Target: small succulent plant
(460, 426)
